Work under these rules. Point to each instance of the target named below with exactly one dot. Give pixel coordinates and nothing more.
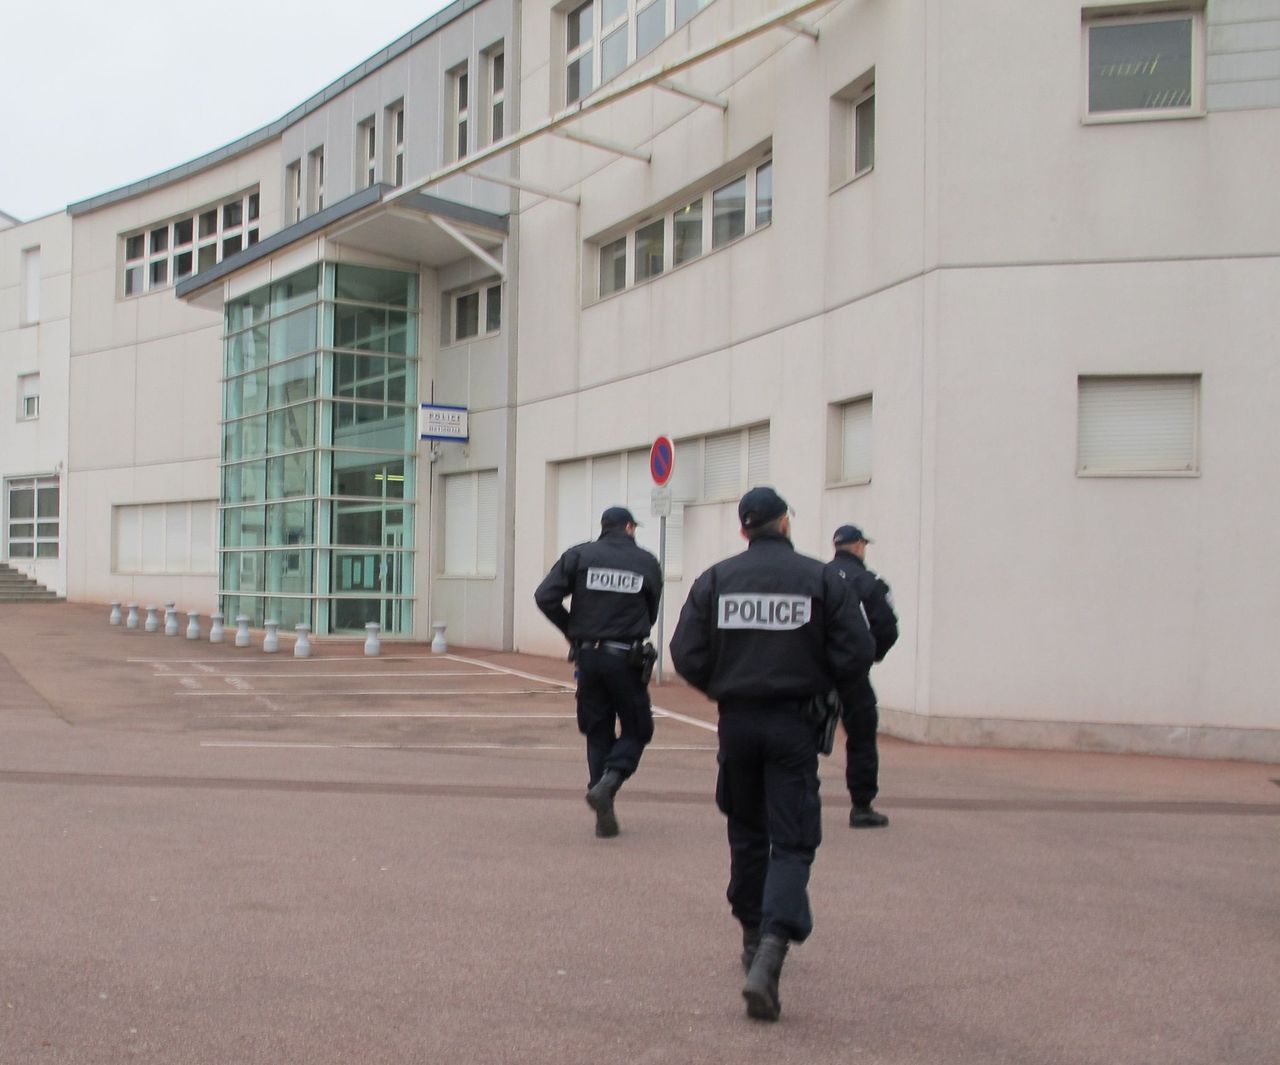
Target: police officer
(860, 716)
(764, 633)
(615, 585)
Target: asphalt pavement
(212, 855)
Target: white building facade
(996, 281)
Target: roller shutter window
(855, 437)
(1138, 424)
(722, 466)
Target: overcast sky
(97, 95)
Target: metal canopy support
(604, 99)
(525, 186)
(470, 245)
(694, 94)
(802, 28)
(604, 145)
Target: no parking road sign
(662, 460)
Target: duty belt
(611, 647)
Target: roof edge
(274, 129)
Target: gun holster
(643, 656)
(823, 712)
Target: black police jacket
(771, 624)
(615, 584)
(873, 593)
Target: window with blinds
(708, 469)
(855, 440)
(174, 538)
(471, 524)
(1137, 425)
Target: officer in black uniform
(764, 633)
(615, 585)
(860, 716)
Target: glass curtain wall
(318, 447)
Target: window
(394, 170)
(1138, 425)
(472, 308)
(293, 191)
(627, 30)
(460, 94)
(32, 517)
(497, 94)
(851, 442)
(164, 254)
(164, 538)
(315, 178)
(471, 524)
(28, 397)
(853, 129)
(30, 294)
(366, 152)
(743, 205)
(1143, 66)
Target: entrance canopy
(380, 220)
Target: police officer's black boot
(761, 988)
(750, 944)
(863, 816)
(600, 799)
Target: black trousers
(862, 759)
(768, 789)
(612, 697)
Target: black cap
(850, 534)
(760, 506)
(616, 518)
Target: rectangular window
(739, 207)
(460, 95)
(1144, 66)
(471, 524)
(579, 42)
(614, 38)
(30, 294)
(173, 538)
(864, 133)
(613, 266)
(855, 441)
(497, 95)
(722, 466)
(366, 152)
(28, 397)
(293, 191)
(33, 517)
(1138, 425)
(651, 27)
(475, 312)
(393, 128)
(852, 150)
(649, 250)
(728, 212)
(315, 180)
(687, 233)
(165, 254)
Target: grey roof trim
(336, 212)
(5, 216)
(266, 133)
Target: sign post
(662, 463)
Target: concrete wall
(36, 447)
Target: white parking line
(662, 711)
(330, 676)
(431, 746)
(265, 660)
(376, 714)
(419, 693)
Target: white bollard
(438, 643)
(131, 622)
(372, 645)
(170, 619)
(215, 630)
(271, 642)
(242, 630)
(152, 623)
(115, 614)
(193, 626)
(302, 649)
